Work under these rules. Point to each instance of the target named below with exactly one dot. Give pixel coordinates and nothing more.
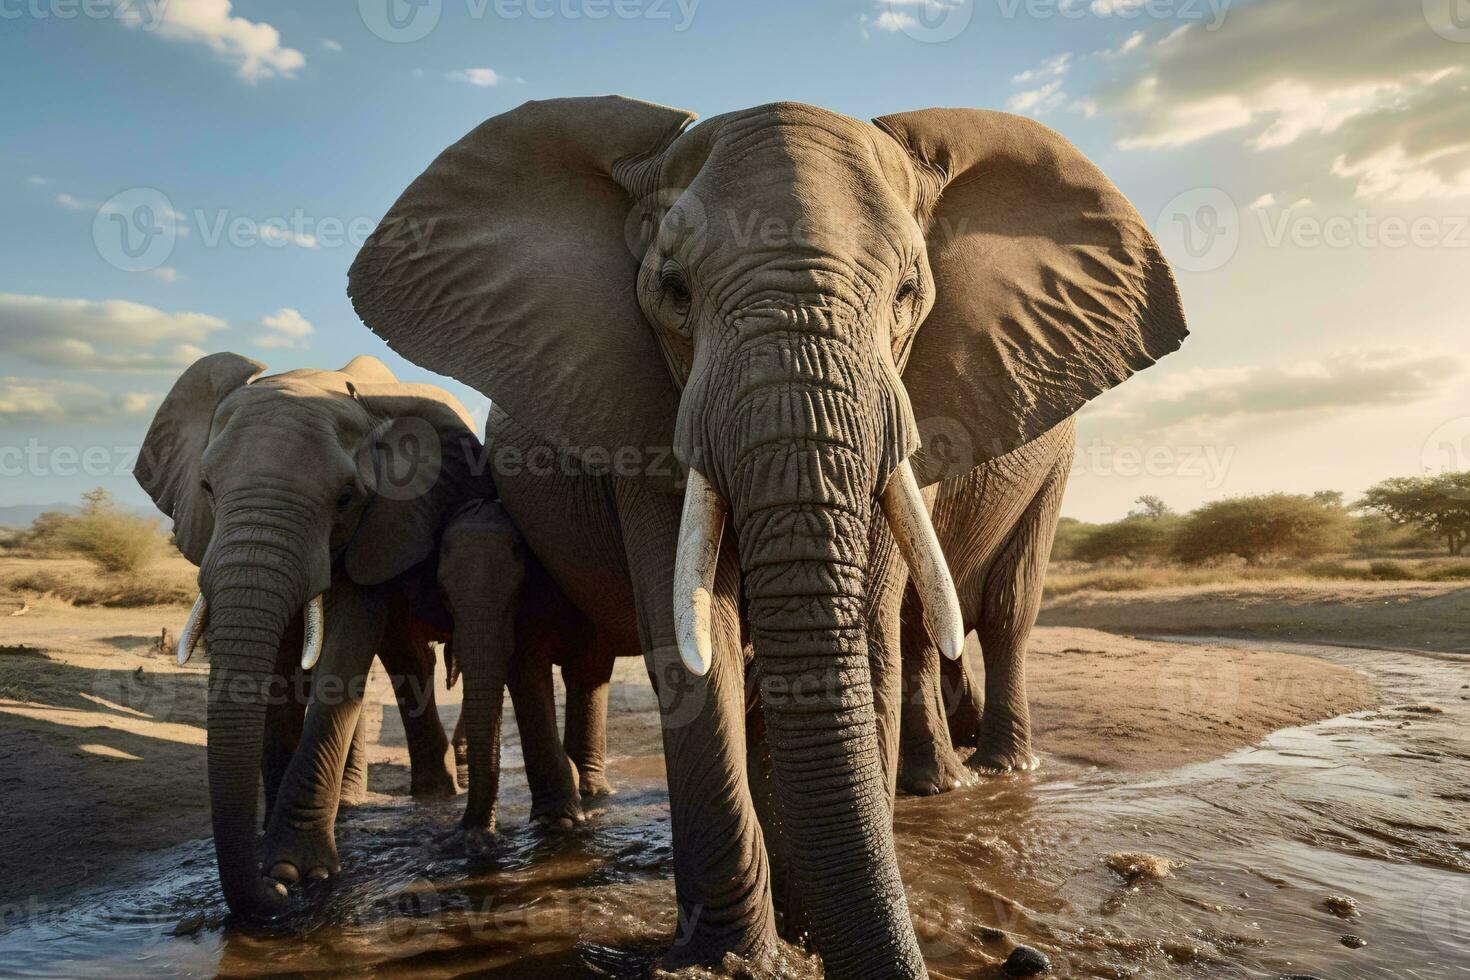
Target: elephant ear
(1050, 289)
(507, 265)
(168, 462)
(420, 462)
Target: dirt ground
(1387, 615)
(102, 739)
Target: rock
(1353, 942)
(1024, 962)
(1423, 709)
(1135, 866)
(189, 925)
(1341, 906)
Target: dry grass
(169, 581)
(1068, 578)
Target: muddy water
(1374, 807)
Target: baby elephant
(333, 515)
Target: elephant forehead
(290, 406)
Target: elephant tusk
(698, 554)
(311, 645)
(909, 518)
(193, 634)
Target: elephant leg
(556, 801)
(408, 656)
(964, 699)
(300, 839)
(887, 576)
(1010, 601)
(587, 679)
(482, 574)
(355, 769)
(460, 741)
(284, 715)
(721, 874)
(928, 763)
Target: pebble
(1024, 962)
(1354, 942)
(1341, 906)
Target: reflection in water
(1371, 806)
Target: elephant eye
(675, 289)
(208, 490)
(908, 293)
(344, 498)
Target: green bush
(1391, 571)
(1131, 539)
(1457, 572)
(103, 532)
(1276, 525)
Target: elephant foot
(433, 778)
(297, 854)
(594, 784)
(933, 770)
(461, 764)
(749, 954)
(1009, 753)
(470, 840)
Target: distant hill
(21, 515)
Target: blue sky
(1279, 143)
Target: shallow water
(1373, 806)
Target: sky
(187, 176)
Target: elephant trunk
(801, 466)
(254, 587)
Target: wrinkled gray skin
(996, 525)
(340, 484)
(746, 291)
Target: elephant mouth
(192, 637)
(703, 521)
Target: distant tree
(1328, 498)
(1277, 525)
(1134, 538)
(1437, 504)
(1070, 535)
(1151, 507)
(114, 539)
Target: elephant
(332, 514)
(995, 525)
(782, 299)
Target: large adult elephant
(748, 291)
(995, 525)
(323, 498)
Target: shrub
(1277, 525)
(1070, 535)
(1391, 571)
(1132, 539)
(114, 539)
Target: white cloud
(332, 45)
(71, 203)
(478, 77)
(1263, 202)
(252, 48)
(107, 335)
(278, 232)
(1049, 94)
(1364, 91)
(27, 401)
(1350, 379)
(166, 273)
(38, 181)
(286, 328)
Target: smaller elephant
(315, 504)
(995, 525)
